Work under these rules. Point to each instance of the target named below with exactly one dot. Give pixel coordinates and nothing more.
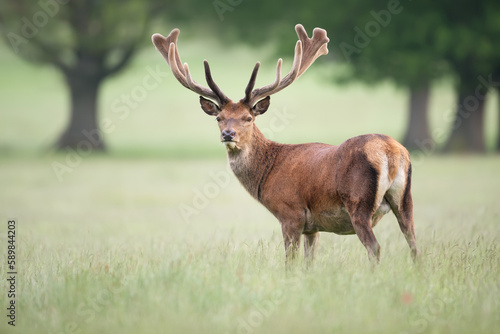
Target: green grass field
(158, 236)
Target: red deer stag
(313, 187)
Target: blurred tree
(468, 40)
(87, 40)
(393, 41)
(497, 147)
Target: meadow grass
(158, 236)
(109, 251)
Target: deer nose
(228, 135)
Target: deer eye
(249, 119)
(218, 119)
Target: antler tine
(183, 75)
(279, 83)
(197, 88)
(251, 84)
(162, 44)
(312, 47)
(307, 50)
(168, 48)
(253, 96)
(179, 74)
(213, 86)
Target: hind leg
(403, 210)
(362, 222)
(405, 220)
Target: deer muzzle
(228, 135)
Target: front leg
(291, 237)
(310, 241)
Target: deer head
(236, 119)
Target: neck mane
(253, 163)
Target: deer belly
(338, 220)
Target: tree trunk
(498, 121)
(467, 134)
(82, 132)
(417, 131)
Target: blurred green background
(130, 221)
(422, 72)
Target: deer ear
(209, 107)
(261, 107)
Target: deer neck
(252, 163)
